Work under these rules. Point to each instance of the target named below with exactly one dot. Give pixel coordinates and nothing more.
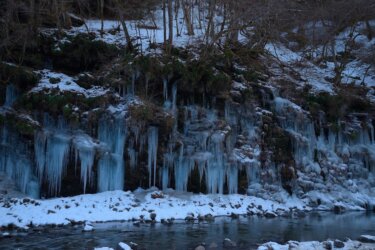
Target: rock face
(187, 122)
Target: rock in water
(338, 244)
(152, 216)
(228, 243)
(124, 246)
(269, 214)
(213, 245)
(88, 228)
(367, 239)
(6, 235)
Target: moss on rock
(20, 76)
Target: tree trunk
(129, 43)
(164, 25)
(176, 10)
(102, 17)
(210, 29)
(188, 18)
(170, 22)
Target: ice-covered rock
(367, 239)
(88, 227)
(315, 245)
(124, 246)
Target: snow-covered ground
(310, 74)
(357, 70)
(365, 242)
(51, 80)
(138, 205)
(148, 30)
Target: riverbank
(136, 206)
(146, 206)
(365, 242)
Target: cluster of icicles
(354, 141)
(201, 145)
(117, 144)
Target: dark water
(247, 232)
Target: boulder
(153, 216)
(228, 243)
(200, 247)
(268, 214)
(88, 228)
(367, 239)
(338, 244)
(123, 246)
(327, 245)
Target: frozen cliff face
(207, 144)
(210, 150)
(15, 162)
(347, 141)
(332, 156)
(216, 141)
(210, 147)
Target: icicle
(56, 160)
(165, 178)
(40, 141)
(174, 98)
(33, 189)
(152, 154)
(111, 164)
(182, 171)
(215, 172)
(15, 163)
(252, 172)
(132, 158)
(232, 179)
(301, 129)
(165, 89)
(85, 151)
(11, 95)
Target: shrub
(83, 53)
(17, 75)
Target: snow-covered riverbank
(139, 205)
(365, 242)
